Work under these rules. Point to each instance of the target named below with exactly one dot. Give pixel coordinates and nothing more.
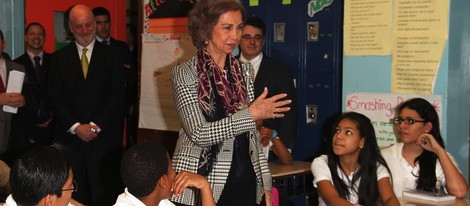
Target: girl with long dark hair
(419, 160)
(353, 171)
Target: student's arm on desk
(328, 193)
(281, 151)
(386, 192)
(186, 179)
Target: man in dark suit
(86, 90)
(103, 26)
(10, 99)
(33, 123)
(274, 75)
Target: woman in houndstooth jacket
(215, 103)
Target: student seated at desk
(353, 172)
(419, 160)
(149, 177)
(273, 148)
(4, 176)
(42, 176)
(5, 188)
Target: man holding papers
(7, 99)
(33, 123)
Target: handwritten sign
(380, 108)
(160, 53)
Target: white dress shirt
(127, 199)
(255, 62)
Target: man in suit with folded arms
(33, 124)
(86, 90)
(10, 99)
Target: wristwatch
(274, 135)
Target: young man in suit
(10, 99)
(86, 90)
(33, 123)
(274, 75)
(103, 26)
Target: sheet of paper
(15, 85)
(286, 2)
(254, 2)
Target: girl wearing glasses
(419, 160)
(353, 171)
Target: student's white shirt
(127, 199)
(11, 202)
(403, 174)
(321, 172)
(266, 149)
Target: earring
(206, 42)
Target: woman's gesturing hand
(267, 108)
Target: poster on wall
(380, 108)
(168, 8)
(165, 44)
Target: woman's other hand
(267, 108)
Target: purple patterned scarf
(231, 90)
(220, 95)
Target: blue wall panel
(316, 64)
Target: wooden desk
(279, 170)
(291, 178)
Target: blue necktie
(37, 67)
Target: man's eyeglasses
(74, 187)
(257, 37)
(408, 121)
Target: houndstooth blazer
(197, 134)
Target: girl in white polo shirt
(419, 160)
(353, 171)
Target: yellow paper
(367, 27)
(415, 61)
(286, 2)
(419, 38)
(254, 2)
(420, 16)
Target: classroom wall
(452, 81)
(15, 14)
(315, 63)
(43, 12)
(11, 24)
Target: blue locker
(312, 47)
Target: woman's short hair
(40, 171)
(204, 16)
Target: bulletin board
(380, 108)
(165, 44)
